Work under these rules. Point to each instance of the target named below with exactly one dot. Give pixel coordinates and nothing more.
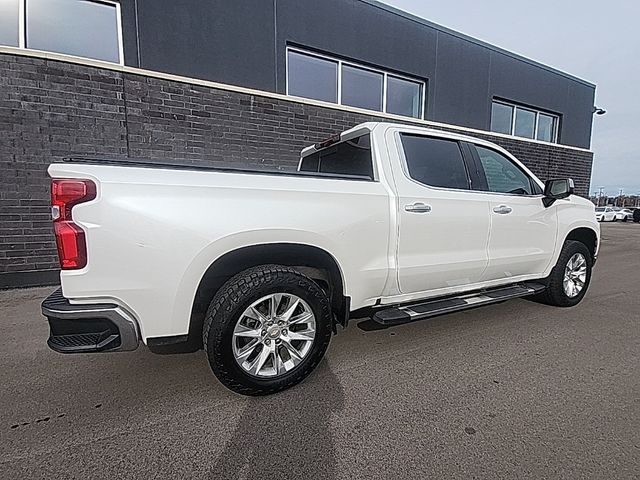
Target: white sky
(596, 40)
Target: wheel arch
(587, 236)
(314, 262)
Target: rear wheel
(570, 278)
(266, 330)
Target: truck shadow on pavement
(287, 435)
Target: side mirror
(557, 189)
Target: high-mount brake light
(70, 238)
(328, 142)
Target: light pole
(600, 190)
(620, 200)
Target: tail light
(70, 238)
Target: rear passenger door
(523, 230)
(443, 224)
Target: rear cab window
(349, 158)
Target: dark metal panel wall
(244, 43)
(226, 41)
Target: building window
(319, 77)
(523, 122)
(83, 28)
(10, 22)
(547, 126)
(404, 97)
(313, 77)
(362, 88)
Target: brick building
(221, 82)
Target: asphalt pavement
(515, 390)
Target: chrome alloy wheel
(575, 275)
(274, 335)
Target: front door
(523, 230)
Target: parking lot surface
(515, 390)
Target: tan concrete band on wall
(261, 93)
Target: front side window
(435, 162)
(350, 157)
(84, 28)
(319, 77)
(502, 175)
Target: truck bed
(176, 165)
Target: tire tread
(220, 316)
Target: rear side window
(351, 157)
(435, 162)
(503, 176)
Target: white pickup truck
(394, 222)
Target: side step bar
(432, 308)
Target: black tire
(554, 294)
(233, 298)
(636, 215)
(615, 219)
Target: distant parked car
(624, 214)
(605, 214)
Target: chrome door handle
(503, 209)
(418, 207)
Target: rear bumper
(102, 327)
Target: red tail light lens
(70, 238)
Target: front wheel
(266, 329)
(570, 278)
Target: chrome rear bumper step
(98, 327)
(440, 306)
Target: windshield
(600, 209)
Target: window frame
(22, 31)
(385, 74)
(482, 184)
(537, 112)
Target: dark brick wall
(51, 109)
